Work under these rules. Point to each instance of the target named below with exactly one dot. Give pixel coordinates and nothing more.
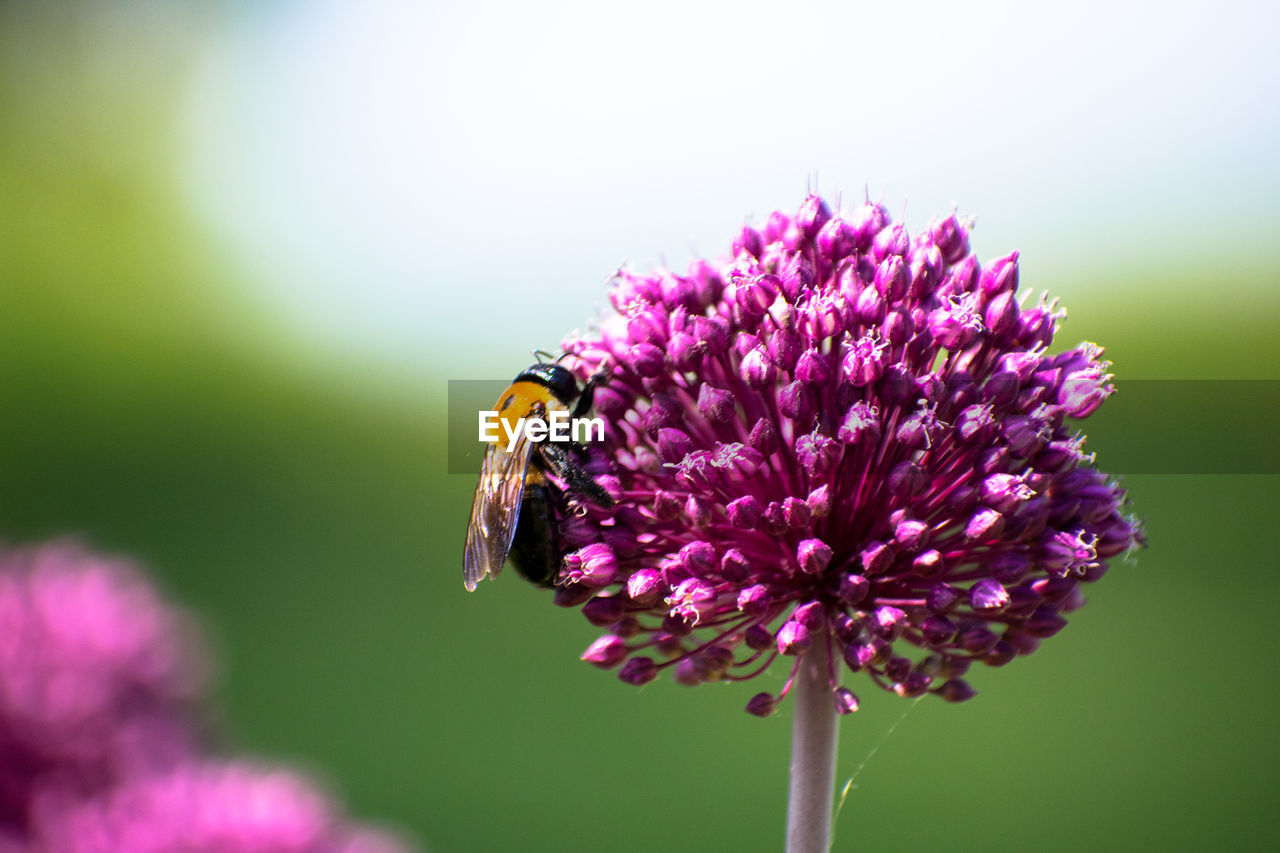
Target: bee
(513, 516)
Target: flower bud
(762, 705)
(1001, 276)
(846, 701)
(794, 638)
(892, 279)
(796, 402)
(813, 368)
(757, 370)
(813, 555)
(734, 566)
(784, 348)
(867, 221)
(951, 238)
(811, 615)
(907, 480)
(647, 359)
(888, 622)
(638, 671)
(938, 629)
(674, 445)
(645, 587)
(892, 240)
(698, 557)
(876, 558)
(715, 404)
(854, 589)
(909, 533)
(812, 215)
(606, 652)
(757, 637)
(754, 600)
(745, 512)
(988, 597)
(819, 501)
(835, 239)
(603, 610)
(750, 241)
(763, 437)
(957, 690)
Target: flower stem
(813, 755)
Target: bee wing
(495, 511)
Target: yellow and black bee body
(513, 516)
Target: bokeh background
(244, 246)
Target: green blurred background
(171, 390)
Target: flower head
(96, 674)
(844, 435)
(100, 737)
(204, 807)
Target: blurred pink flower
(100, 747)
(97, 675)
(204, 807)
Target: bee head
(557, 379)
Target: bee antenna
(539, 353)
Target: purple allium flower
(203, 808)
(96, 675)
(839, 435)
(100, 735)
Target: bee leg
(560, 461)
(583, 405)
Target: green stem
(813, 754)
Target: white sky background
(418, 181)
